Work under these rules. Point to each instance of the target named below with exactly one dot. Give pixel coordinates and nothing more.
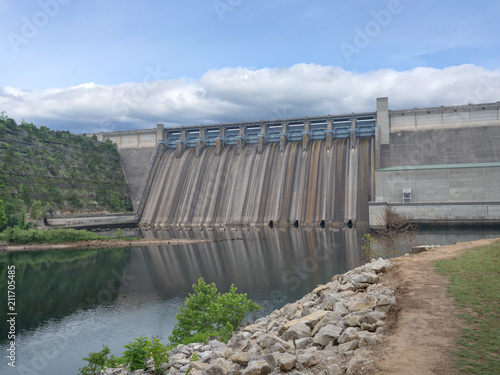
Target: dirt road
(423, 327)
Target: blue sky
(88, 65)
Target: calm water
(71, 302)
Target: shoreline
(98, 244)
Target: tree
(207, 312)
(38, 210)
(396, 237)
(3, 217)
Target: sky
(91, 66)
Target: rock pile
(328, 331)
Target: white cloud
(241, 94)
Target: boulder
(331, 317)
(374, 316)
(238, 340)
(326, 335)
(286, 361)
(217, 367)
(366, 302)
(297, 331)
(259, 367)
(310, 319)
(242, 358)
(307, 359)
(350, 345)
(303, 343)
(380, 265)
(349, 334)
(197, 365)
(329, 300)
(266, 340)
(347, 287)
(352, 320)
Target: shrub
(137, 353)
(396, 237)
(158, 352)
(96, 361)
(208, 313)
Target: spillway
(240, 186)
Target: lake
(71, 302)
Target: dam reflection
(288, 263)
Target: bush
(208, 313)
(137, 353)
(158, 352)
(27, 236)
(96, 361)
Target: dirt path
(99, 244)
(423, 327)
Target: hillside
(67, 173)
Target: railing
(292, 135)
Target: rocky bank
(329, 331)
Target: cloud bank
(243, 94)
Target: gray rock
(347, 287)
(352, 320)
(306, 360)
(238, 340)
(268, 339)
(259, 367)
(349, 334)
(329, 300)
(351, 345)
(303, 343)
(297, 331)
(242, 358)
(176, 357)
(363, 303)
(374, 316)
(216, 344)
(197, 365)
(270, 359)
(217, 367)
(340, 309)
(326, 335)
(380, 265)
(331, 317)
(286, 361)
(206, 356)
(370, 340)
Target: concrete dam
(319, 185)
(433, 166)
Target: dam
(433, 166)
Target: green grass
(28, 236)
(475, 286)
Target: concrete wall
(91, 221)
(139, 151)
(440, 214)
(444, 183)
(450, 159)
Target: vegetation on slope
(42, 171)
(474, 279)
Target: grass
(475, 286)
(28, 236)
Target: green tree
(207, 312)
(37, 210)
(3, 218)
